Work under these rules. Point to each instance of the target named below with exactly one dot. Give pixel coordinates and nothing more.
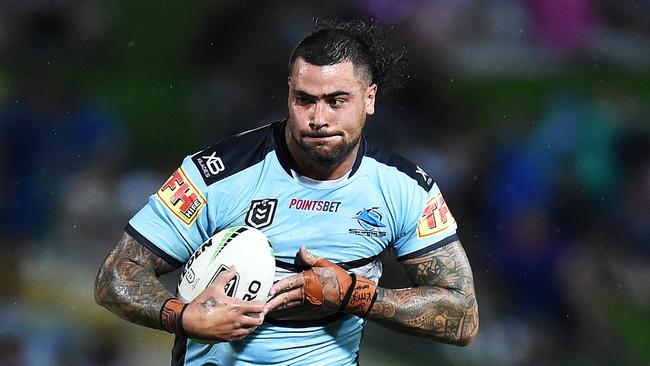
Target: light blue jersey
(385, 203)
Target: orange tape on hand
(328, 285)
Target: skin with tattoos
(333, 83)
(127, 284)
(443, 306)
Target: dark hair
(362, 43)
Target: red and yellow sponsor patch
(435, 217)
(181, 197)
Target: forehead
(324, 79)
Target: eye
(336, 102)
(304, 100)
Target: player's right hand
(214, 316)
(325, 284)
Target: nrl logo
(261, 213)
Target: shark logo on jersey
(261, 213)
(369, 218)
(370, 221)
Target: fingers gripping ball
(330, 286)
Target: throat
(315, 183)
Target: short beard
(338, 154)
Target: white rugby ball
(248, 249)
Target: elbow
(98, 297)
(101, 287)
(466, 339)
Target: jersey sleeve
(429, 226)
(174, 222)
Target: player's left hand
(325, 284)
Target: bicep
(446, 267)
(128, 285)
(129, 251)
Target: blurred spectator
(49, 127)
(566, 25)
(50, 130)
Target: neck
(305, 166)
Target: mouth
(319, 137)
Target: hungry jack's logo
(181, 197)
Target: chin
(329, 157)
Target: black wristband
(348, 294)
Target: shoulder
(234, 154)
(384, 157)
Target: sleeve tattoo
(443, 306)
(127, 283)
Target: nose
(318, 118)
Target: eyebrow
(337, 93)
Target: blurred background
(532, 116)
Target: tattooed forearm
(443, 306)
(127, 283)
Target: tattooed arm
(127, 284)
(442, 306)
(444, 303)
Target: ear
(371, 93)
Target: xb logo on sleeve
(210, 165)
(261, 213)
(214, 163)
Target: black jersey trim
(151, 246)
(306, 323)
(425, 250)
(281, 149)
(346, 265)
(360, 154)
(178, 351)
(234, 154)
(363, 332)
(374, 149)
